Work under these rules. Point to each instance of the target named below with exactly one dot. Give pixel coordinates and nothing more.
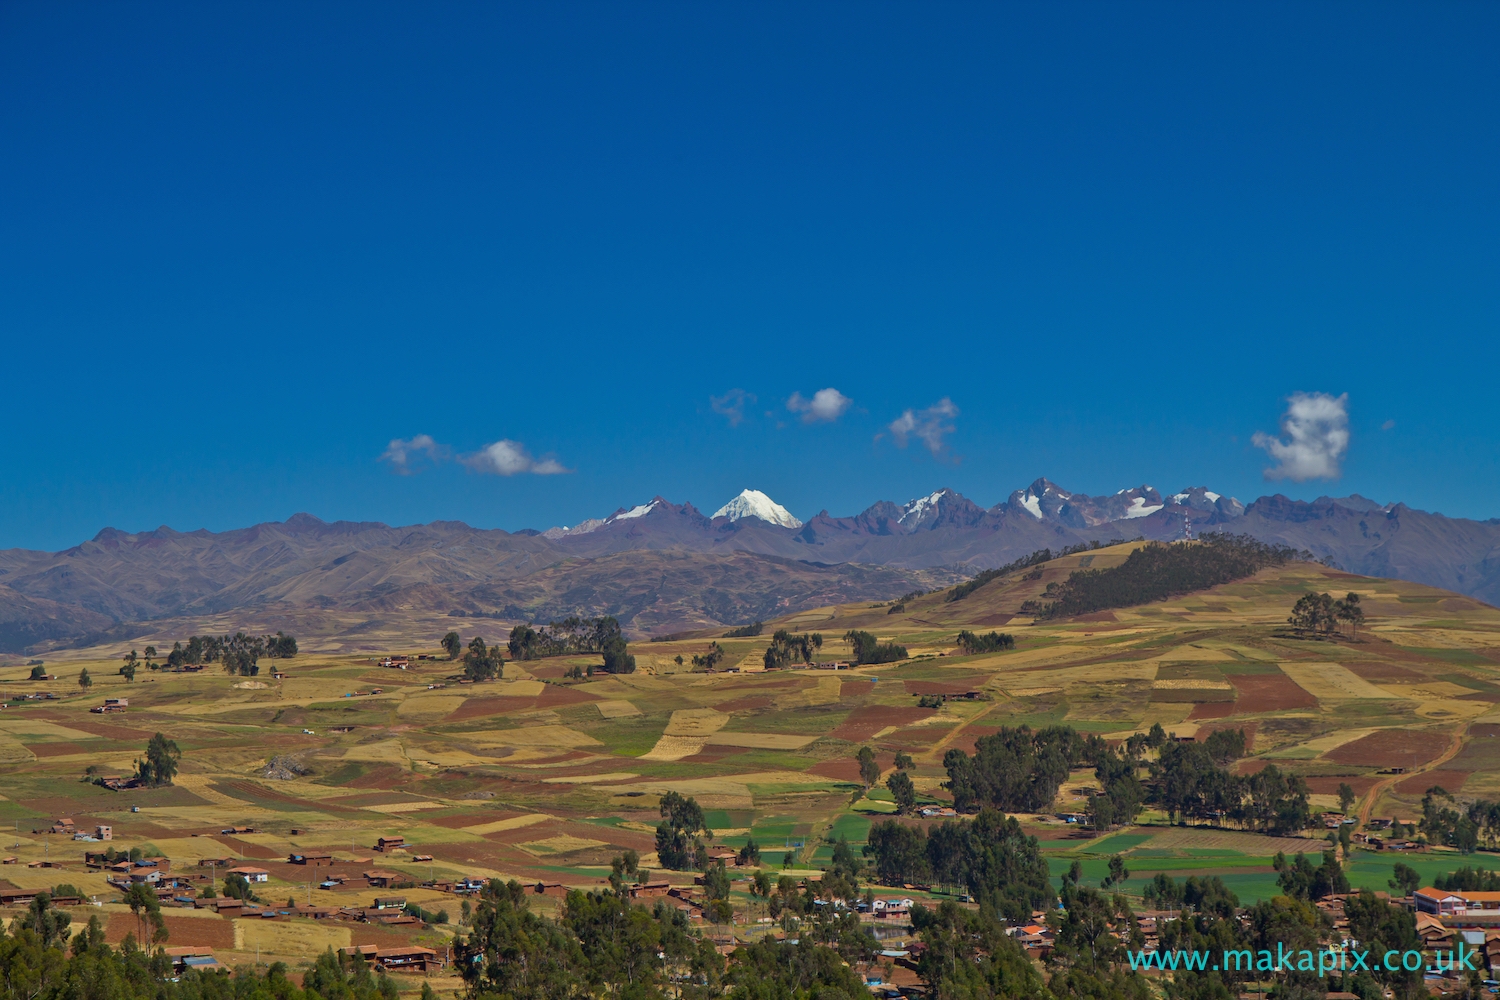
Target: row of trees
(568, 637)
(1446, 820)
(240, 653)
(989, 857)
(786, 649)
(1158, 570)
(989, 643)
(1320, 614)
(868, 649)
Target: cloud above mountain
(404, 455)
(825, 406)
(929, 426)
(511, 458)
(731, 405)
(1315, 438)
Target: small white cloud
(510, 458)
(1315, 431)
(929, 426)
(1388, 425)
(731, 405)
(826, 405)
(401, 453)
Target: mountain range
(662, 566)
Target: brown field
(200, 932)
(1378, 670)
(1390, 748)
(1211, 710)
(956, 686)
(749, 703)
(1269, 693)
(1329, 785)
(847, 769)
(1448, 781)
(864, 723)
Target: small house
(250, 874)
(386, 844)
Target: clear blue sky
(245, 247)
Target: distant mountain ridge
(687, 569)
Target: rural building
(201, 959)
(1441, 903)
(390, 902)
(384, 844)
(408, 959)
(111, 705)
(396, 662)
(104, 833)
(314, 860)
(382, 879)
(250, 874)
(649, 890)
(556, 889)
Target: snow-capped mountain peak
(914, 510)
(754, 503)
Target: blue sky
(245, 248)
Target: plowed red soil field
(864, 723)
(1390, 748)
(847, 769)
(1417, 784)
(1269, 693)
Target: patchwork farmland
(550, 772)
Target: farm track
(1455, 744)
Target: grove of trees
(868, 649)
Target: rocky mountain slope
(661, 566)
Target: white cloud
(826, 405)
(1315, 431)
(400, 453)
(731, 405)
(510, 458)
(1388, 425)
(929, 425)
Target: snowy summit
(754, 503)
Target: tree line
(1158, 570)
(240, 653)
(1320, 614)
(573, 636)
(868, 649)
(989, 643)
(1018, 769)
(786, 649)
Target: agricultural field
(545, 777)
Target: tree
(149, 653)
(1349, 612)
(481, 662)
(48, 924)
(146, 908)
(236, 886)
(904, 761)
(869, 770)
(281, 646)
(677, 843)
(1118, 873)
(868, 649)
(160, 764)
(617, 660)
(749, 854)
(38, 672)
(128, 672)
(84, 680)
(453, 644)
(903, 791)
(1346, 796)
